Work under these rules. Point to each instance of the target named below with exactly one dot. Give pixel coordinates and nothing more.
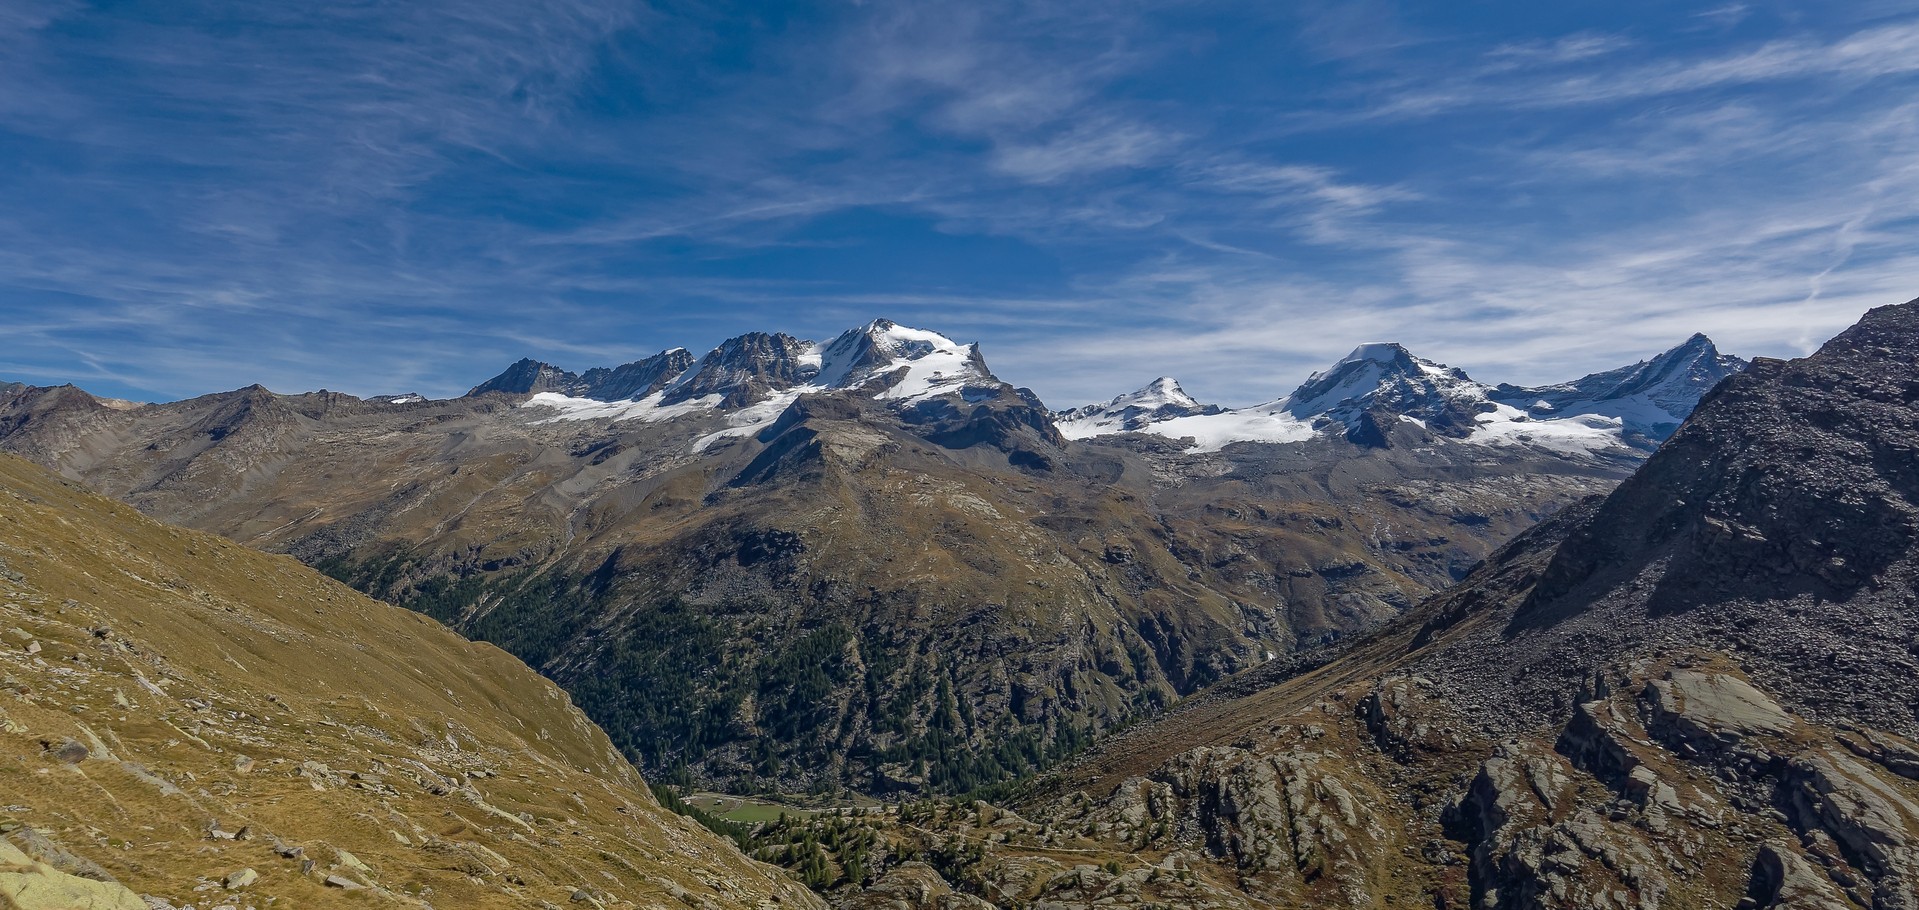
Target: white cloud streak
(302, 212)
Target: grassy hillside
(176, 709)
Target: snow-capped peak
(751, 379)
(1161, 400)
(1380, 385)
(1381, 373)
(1377, 352)
(876, 353)
(1649, 398)
(1162, 392)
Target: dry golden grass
(215, 685)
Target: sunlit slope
(175, 709)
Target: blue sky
(392, 195)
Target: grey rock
(1782, 879)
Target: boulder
(1706, 708)
(912, 886)
(1784, 880)
(29, 885)
(1872, 822)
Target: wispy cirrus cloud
(378, 198)
(1887, 50)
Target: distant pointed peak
(1381, 372)
(1698, 343)
(1159, 400)
(1388, 358)
(526, 375)
(1160, 392)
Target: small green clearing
(743, 809)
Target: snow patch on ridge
(1580, 434)
(648, 409)
(750, 419)
(1212, 432)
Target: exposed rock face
(1536, 845)
(912, 886)
(1700, 708)
(743, 370)
(1285, 820)
(628, 381)
(27, 884)
(1784, 880)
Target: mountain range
(1687, 681)
(1633, 407)
(869, 562)
(1697, 690)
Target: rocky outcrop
(911, 886)
(1538, 843)
(1297, 821)
(1704, 710)
(1783, 879)
(1874, 824)
(628, 381)
(1406, 718)
(27, 884)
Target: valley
(722, 537)
(1630, 704)
(978, 455)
